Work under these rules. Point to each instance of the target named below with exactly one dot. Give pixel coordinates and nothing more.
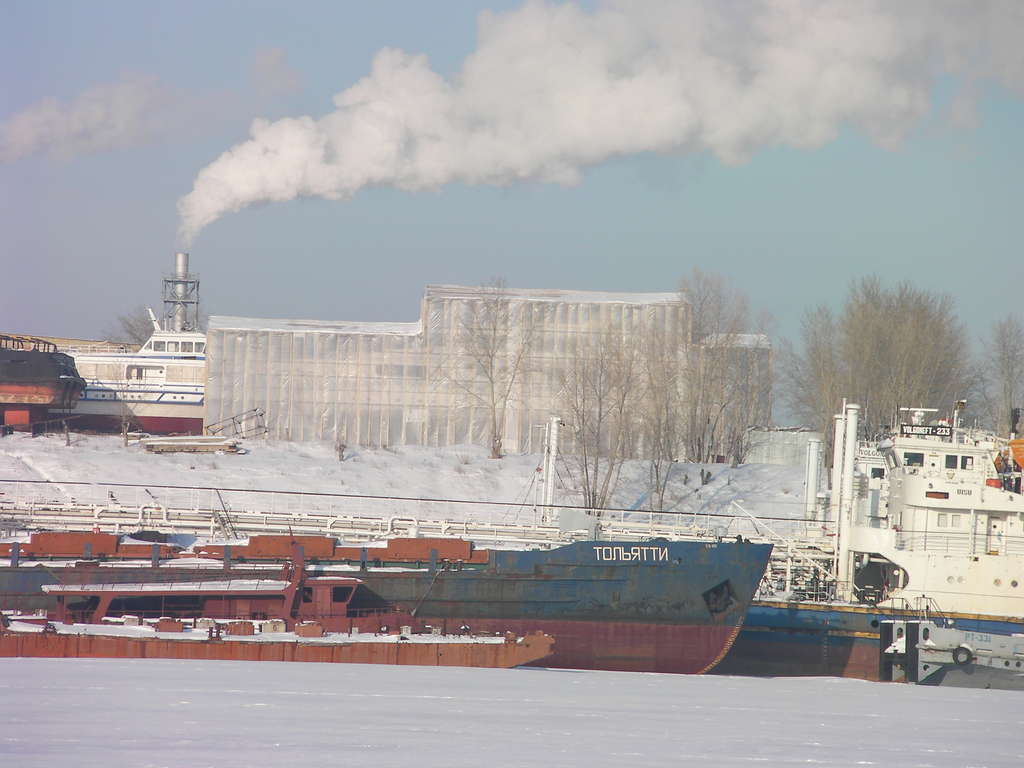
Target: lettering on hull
(632, 554)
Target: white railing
(799, 565)
(206, 511)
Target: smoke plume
(106, 116)
(553, 89)
(141, 109)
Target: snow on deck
(116, 629)
(230, 585)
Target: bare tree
(1004, 373)
(750, 383)
(720, 357)
(133, 327)
(601, 388)
(809, 377)
(889, 347)
(495, 336)
(662, 409)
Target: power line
(373, 497)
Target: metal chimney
(181, 297)
(180, 272)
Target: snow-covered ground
(101, 712)
(464, 472)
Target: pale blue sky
(88, 236)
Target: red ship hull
(157, 425)
(619, 646)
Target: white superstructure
(934, 515)
(157, 389)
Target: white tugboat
(928, 653)
(158, 389)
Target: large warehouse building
(430, 382)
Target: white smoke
(552, 89)
(104, 117)
(140, 109)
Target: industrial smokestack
(181, 275)
(181, 297)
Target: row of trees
(666, 398)
(900, 346)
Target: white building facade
(418, 383)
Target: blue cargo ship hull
(814, 639)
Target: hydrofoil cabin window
(140, 372)
(913, 459)
(186, 346)
(199, 346)
(172, 346)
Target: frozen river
(93, 712)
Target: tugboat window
(950, 462)
(913, 459)
(966, 462)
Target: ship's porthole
(1006, 663)
(1013, 583)
(874, 623)
(998, 582)
(950, 579)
